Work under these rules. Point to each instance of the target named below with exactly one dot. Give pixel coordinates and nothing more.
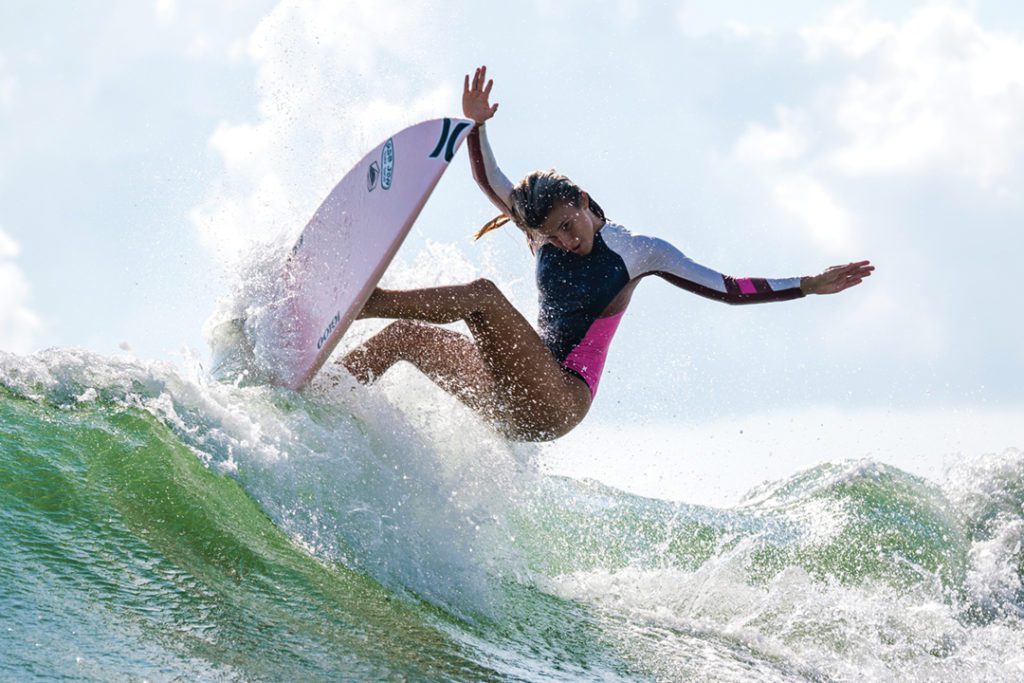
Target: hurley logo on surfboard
(448, 139)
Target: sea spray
(867, 572)
(161, 524)
(211, 519)
(430, 456)
(989, 494)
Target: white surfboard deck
(345, 248)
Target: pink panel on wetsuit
(589, 355)
(746, 286)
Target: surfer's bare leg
(450, 359)
(539, 400)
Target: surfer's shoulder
(613, 232)
(620, 238)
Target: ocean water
(158, 525)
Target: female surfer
(538, 386)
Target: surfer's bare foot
(356, 362)
(372, 358)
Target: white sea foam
(812, 628)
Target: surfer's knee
(485, 294)
(483, 287)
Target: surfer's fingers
(845, 270)
(487, 89)
(861, 266)
(853, 280)
(854, 275)
(857, 272)
(465, 86)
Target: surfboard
(347, 245)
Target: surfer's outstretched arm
(645, 255)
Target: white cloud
(166, 11)
(846, 31)
(779, 155)
(9, 249)
(335, 78)
(760, 145)
(733, 19)
(938, 92)
(935, 96)
(810, 201)
(19, 324)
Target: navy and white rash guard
(575, 291)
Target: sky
(145, 146)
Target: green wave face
(129, 553)
(852, 523)
(121, 547)
(159, 528)
(863, 521)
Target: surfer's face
(570, 227)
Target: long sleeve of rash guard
(643, 255)
(489, 177)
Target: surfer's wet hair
(534, 197)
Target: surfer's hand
(837, 278)
(475, 96)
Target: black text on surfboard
(446, 143)
(327, 331)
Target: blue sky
(144, 146)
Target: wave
(162, 525)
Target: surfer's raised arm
(476, 105)
(645, 256)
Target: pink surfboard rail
(345, 248)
